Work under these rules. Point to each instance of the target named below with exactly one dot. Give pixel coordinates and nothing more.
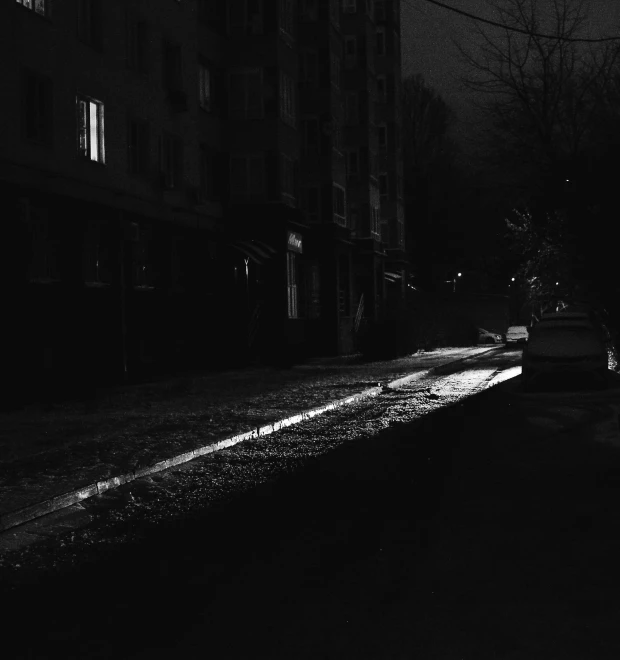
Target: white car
(570, 351)
(486, 337)
(517, 334)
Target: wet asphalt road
(429, 539)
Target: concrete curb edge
(21, 516)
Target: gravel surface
(175, 496)
(49, 450)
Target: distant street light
(513, 279)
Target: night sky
(427, 32)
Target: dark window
(138, 146)
(207, 172)
(309, 61)
(137, 45)
(380, 41)
(287, 17)
(247, 175)
(173, 66)
(246, 17)
(246, 94)
(309, 10)
(383, 186)
(171, 161)
(310, 134)
(37, 114)
(89, 19)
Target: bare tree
(539, 90)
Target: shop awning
(390, 276)
(257, 251)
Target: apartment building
(191, 182)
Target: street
(414, 535)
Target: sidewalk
(54, 456)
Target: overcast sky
(427, 32)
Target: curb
(15, 518)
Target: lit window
(291, 281)
(90, 129)
(204, 87)
(40, 7)
(287, 98)
(380, 41)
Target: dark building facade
(190, 183)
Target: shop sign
(294, 241)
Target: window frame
(291, 285)
(86, 152)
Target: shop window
(291, 282)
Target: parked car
(486, 337)
(565, 352)
(517, 334)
